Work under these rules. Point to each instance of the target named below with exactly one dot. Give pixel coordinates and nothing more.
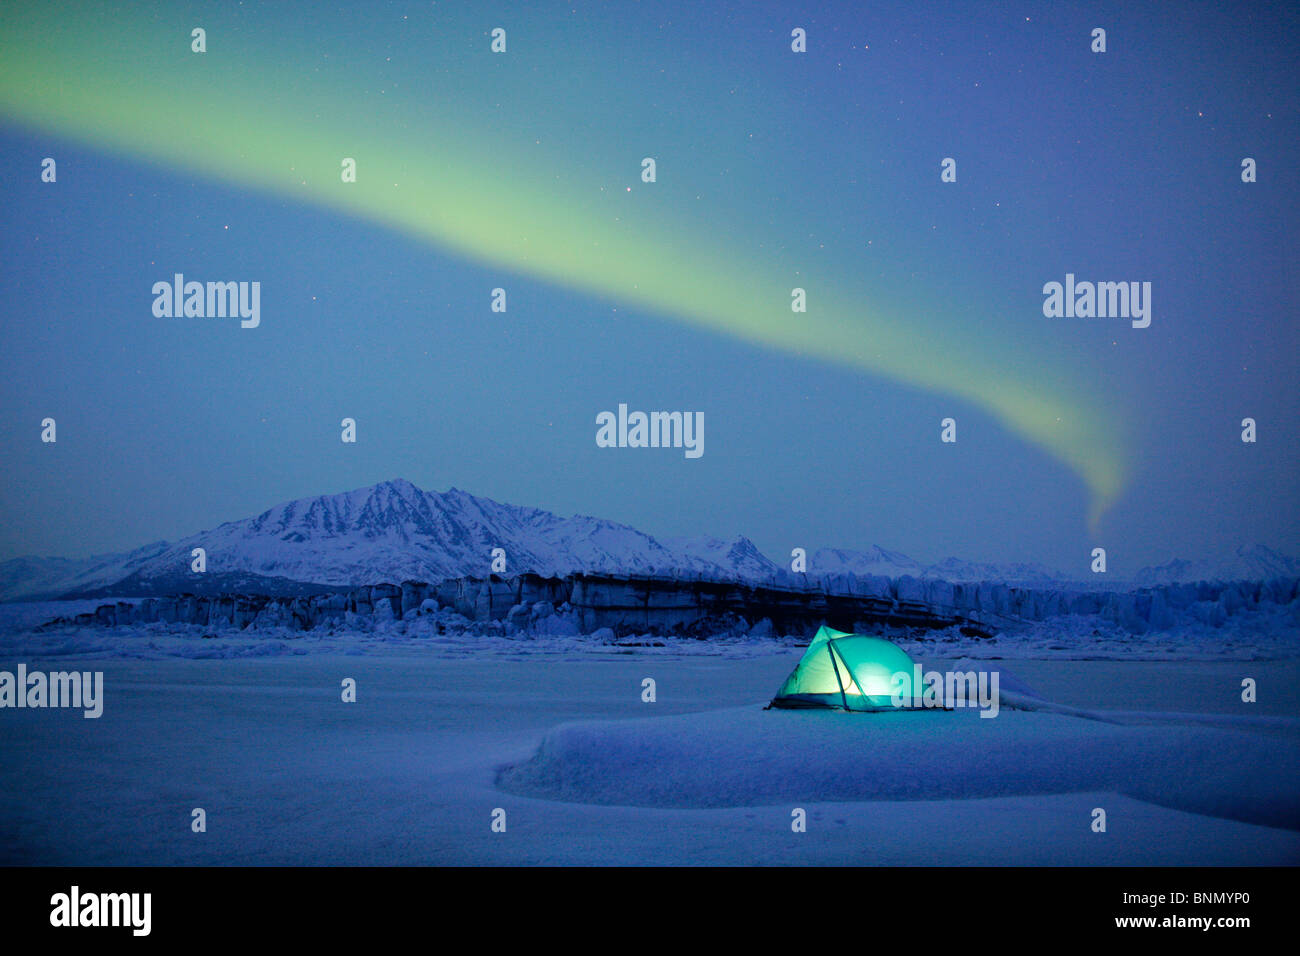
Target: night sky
(775, 170)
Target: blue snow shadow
(748, 756)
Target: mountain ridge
(394, 530)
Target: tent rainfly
(848, 672)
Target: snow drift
(747, 756)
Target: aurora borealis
(525, 164)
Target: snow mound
(748, 756)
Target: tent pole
(836, 667)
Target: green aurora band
(265, 119)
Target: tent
(848, 672)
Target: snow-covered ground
(448, 728)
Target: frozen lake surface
(412, 772)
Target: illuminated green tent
(848, 672)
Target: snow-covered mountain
(740, 555)
(889, 564)
(892, 564)
(49, 577)
(389, 532)
(1020, 572)
(394, 531)
(1253, 563)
